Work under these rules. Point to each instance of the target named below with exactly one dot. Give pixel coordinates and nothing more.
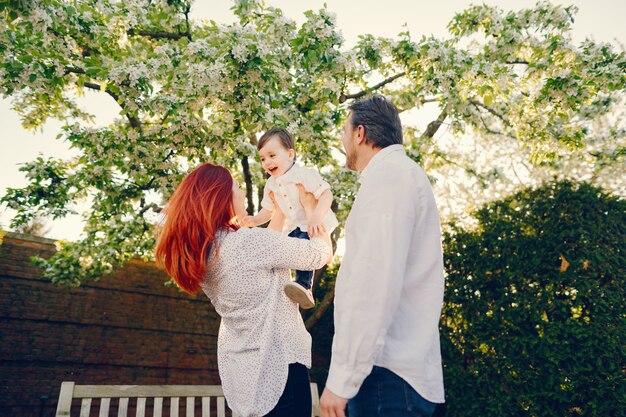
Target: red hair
(201, 206)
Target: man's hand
(316, 225)
(307, 199)
(309, 202)
(332, 405)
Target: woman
(263, 347)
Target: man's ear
(360, 135)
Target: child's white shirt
(288, 198)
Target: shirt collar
(378, 158)
(290, 172)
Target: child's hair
(201, 205)
(283, 136)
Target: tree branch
(423, 101)
(434, 126)
(329, 297)
(492, 131)
(321, 308)
(134, 121)
(492, 111)
(517, 61)
(187, 10)
(343, 97)
(152, 206)
(158, 34)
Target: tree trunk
(249, 191)
(322, 307)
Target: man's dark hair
(380, 119)
(283, 136)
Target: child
(277, 153)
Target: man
(386, 358)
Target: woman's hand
(278, 219)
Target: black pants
(296, 398)
(304, 278)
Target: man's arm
(370, 282)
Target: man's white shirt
(389, 289)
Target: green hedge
(534, 320)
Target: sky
(601, 20)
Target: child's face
(275, 158)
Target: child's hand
(248, 221)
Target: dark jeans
(385, 394)
(296, 398)
(304, 278)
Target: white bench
(142, 398)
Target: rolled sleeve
(266, 202)
(313, 182)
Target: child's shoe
(298, 294)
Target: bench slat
(85, 407)
(117, 391)
(174, 407)
(315, 396)
(206, 406)
(65, 399)
(158, 407)
(221, 409)
(191, 404)
(122, 410)
(141, 407)
(104, 407)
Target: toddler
(277, 154)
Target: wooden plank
(315, 397)
(206, 406)
(122, 410)
(104, 407)
(129, 391)
(85, 407)
(174, 407)
(221, 409)
(158, 407)
(141, 407)
(190, 408)
(65, 399)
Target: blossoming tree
(190, 92)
